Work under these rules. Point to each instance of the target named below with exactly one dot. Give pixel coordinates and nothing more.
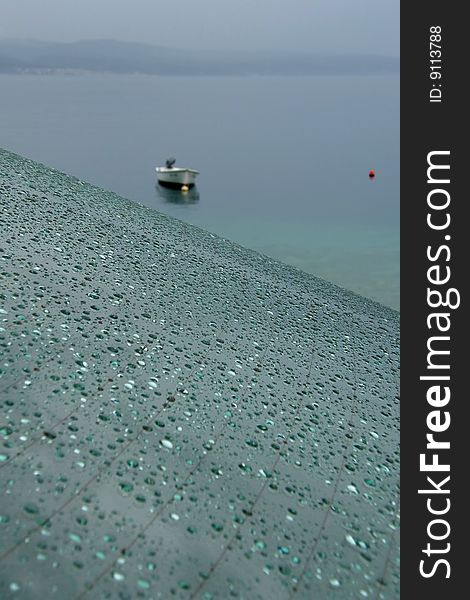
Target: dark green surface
(181, 417)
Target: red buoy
(371, 174)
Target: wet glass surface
(181, 417)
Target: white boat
(176, 177)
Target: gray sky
(330, 26)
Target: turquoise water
(283, 160)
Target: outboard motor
(170, 162)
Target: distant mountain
(19, 56)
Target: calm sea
(284, 161)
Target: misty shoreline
(110, 56)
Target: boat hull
(176, 178)
(175, 185)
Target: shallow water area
(284, 161)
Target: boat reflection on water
(190, 196)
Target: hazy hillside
(18, 56)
